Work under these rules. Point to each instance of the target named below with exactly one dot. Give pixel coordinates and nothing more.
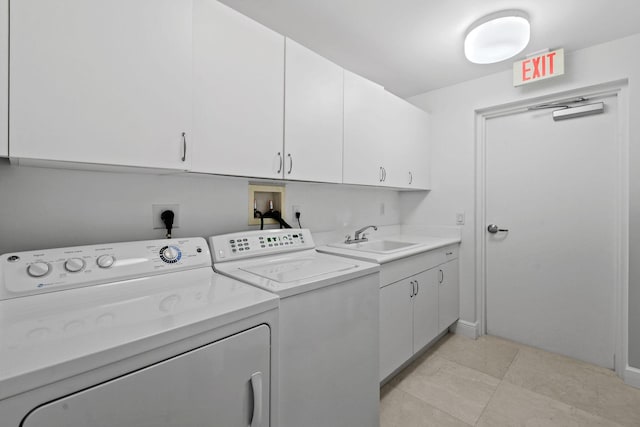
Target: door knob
(493, 228)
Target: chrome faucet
(357, 238)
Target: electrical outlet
(460, 218)
(156, 211)
(294, 209)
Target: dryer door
(221, 384)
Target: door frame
(618, 88)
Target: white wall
(43, 208)
(453, 155)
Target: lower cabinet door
(449, 294)
(222, 384)
(396, 325)
(425, 308)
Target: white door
(553, 185)
(223, 384)
(313, 116)
(4, 78)
(105, 82)
(238, 93)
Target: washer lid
(287, 271)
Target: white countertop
(424, 243)
(49, 337)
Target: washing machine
(133, 334)
(328, 352)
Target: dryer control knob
(38, 269)
(170, 253)
(105, 261)
(73, 265)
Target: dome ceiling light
(497, 37)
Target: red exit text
(540, 67)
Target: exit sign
(538, 67)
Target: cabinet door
(225, 383)
(396, 326)
(425, 308)
(396, 131)
(417, 162)
(105, 82)
(4, 78)
(239, 94)
(448, 295)
(313, 116)
(363, 125)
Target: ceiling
(413, 46)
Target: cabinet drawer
(403, 268)
(451, 252)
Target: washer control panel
(254, 243)
(33, 272)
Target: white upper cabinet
(239, 94)
(4, 78)
(385, 137)
(418, 163)
(364, 142)
(105, 82)
(313, 116)
(406, 133)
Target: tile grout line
(511, 364)
(441, 409)
(496, 389)
(569, 404)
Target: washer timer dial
(39, 269)
(74, 265)
(170, 254)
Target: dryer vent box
(262, 195)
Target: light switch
(460, 218)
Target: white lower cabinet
(425, 309)
(415, 309)
(448, 294)
(396, 326)
(408, 319)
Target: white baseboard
(466, 329)
(632, 376)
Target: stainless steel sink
(376, 246)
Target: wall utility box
(261, 195)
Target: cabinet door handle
(280, 160)
(410, 178)
(380, 174)
(256, 387)
(412, 289)
(290, 163)
(184, 146)
(449, 253)
(384, 174)
(417, 287)
(441, 276)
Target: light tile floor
(492, 382)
